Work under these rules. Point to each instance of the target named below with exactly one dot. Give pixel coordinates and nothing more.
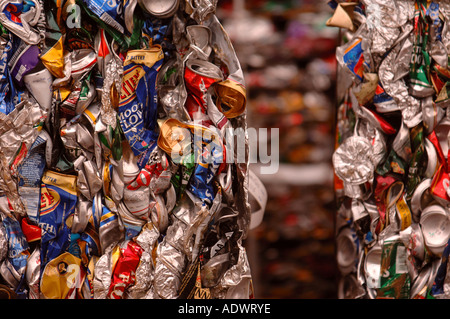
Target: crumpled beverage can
(14, 267)
(439, 185)
(353, 161)
(25, 59)
(201, 10)
(108, 185)
(347, 250)
(108, 224)
(61, 277)
(160, 8)
(128, 256)
(109, 12)
(394, 272)
(10, 17)
(137, 105)
(33, 273)
(352, 57)
(199, 76)
(420, 61)
(39, 84)
(30, 172)
(435, 225)
(372, 267)
(58, 201)
(384, 102)
(231, 98)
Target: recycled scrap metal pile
(391, 157)
(113, 178)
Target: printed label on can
(58, 201)
(354, 59)
(404, 213)
(138, 98)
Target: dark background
(288, 56)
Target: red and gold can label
(125, 262)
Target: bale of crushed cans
(113, 178)
(391, 159)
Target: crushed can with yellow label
(58, 201)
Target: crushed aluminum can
(435, 224)
(439, 186)
(372, 267)
(39, 84)
(394, 280)
(442, 130)
(33, 273)
(383, 102)
(347, 250)
(61, 277)
(19, 27)
(201, 10)
(393, 59)
(424, 281)
(128, 257)
(231, 98)
(421, 198)
(199, 76)
(343, 16)
(353, 161)
(24, 60)
(58, 201)
(350, 288)
(137, 112)
(199, 37)
(432, 159)
(14, 266)
(160, 8)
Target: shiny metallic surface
(160, 8)
(347, 251)
(133, 224)
(404, 46)
(353, 160)
(435, 224)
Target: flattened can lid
(442, 131)
(435, 224)
(160, 8)
(347, 250)
(352, 160)
(420, 199)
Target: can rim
(341, 150)
(441, 241)
(343, 258)
(432, 158)
(369, 260)
(165, 13)
(215, 73)
(416, 199)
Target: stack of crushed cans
(392, 149)
(113, 178)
